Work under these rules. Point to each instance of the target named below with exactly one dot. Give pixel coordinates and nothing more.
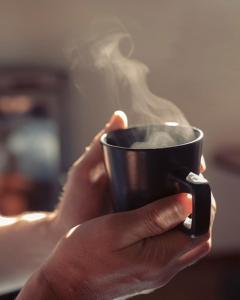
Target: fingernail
(185, 203)
(185, 196)
(117, 113)
(122, 115)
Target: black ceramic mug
(140, 176)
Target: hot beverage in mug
(147, 163)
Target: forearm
(25, 242)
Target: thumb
(93, 153)
(153, 219)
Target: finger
(163, 215)
(117, 121)
(203, 165)
(93, 154)
(194, 255)
(172, 246)
(213, 210)
(151, 220)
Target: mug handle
(199, 222)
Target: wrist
(37, 288)
(65, 284)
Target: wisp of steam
(125, 79)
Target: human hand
(86, 192)
(121, 254)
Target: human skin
(120, 255)
(27, 240)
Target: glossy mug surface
(139, 176)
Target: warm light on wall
(15, 104)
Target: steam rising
(125, 78)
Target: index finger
(150, 220)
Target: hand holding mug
(142, 174)
(120, 254)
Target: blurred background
(192, 50)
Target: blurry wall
(192, 49)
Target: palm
(86, 194)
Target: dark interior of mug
(152, 136)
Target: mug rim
(103, 139)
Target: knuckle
(207, 246)
(153, 222)
(177, 213)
